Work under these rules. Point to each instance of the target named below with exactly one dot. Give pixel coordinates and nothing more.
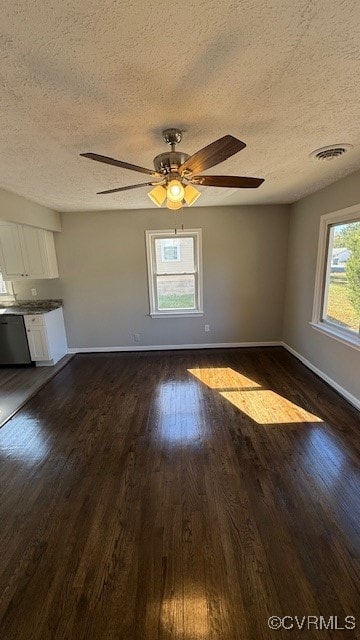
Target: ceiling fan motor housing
(169, 161)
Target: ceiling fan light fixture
(191, 194)
(174, 206)
(158, 195)
(175, 191)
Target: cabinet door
(11, 257)
(32, 245)
(39, 253)
(38, 343)
(27, 252)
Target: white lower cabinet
(46, 337)
(38, 344)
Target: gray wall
(103, 280)
(338, 361)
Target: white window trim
(150, 237)
(350, 214)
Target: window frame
(342, 216)
(150, 237)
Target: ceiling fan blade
(118, 163)
(235, 182)
(131, 186)
(213, 154)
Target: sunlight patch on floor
(267, 407)
(186, 616)
(223, 378)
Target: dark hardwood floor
(19, 384)
(179, 495)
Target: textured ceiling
(108, 75)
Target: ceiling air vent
(331, 152)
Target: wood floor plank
(179, 495)
(19, 384)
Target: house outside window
(336, 308)
(174, 272)
(170, 249)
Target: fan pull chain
(177, 214)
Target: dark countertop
(29, 307)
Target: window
(6, 290)
(337, 288)
(174, 272)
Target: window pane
(2, 286)
(342, 292)
(175, 292)
(174, 255)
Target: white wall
(102, 263)
(336, 360)
(15, 208)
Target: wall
(336, 360)
(15, 208)
(102, 264)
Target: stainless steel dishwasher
(14, 348)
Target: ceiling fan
(176, 173)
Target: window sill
(185, 314)
(340, 336)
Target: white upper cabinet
(11, 256)
(26, 252)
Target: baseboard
(224, 345)
(348, 396)
(173, 347)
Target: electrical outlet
(136, 337)
(33, 292)
(207, 327)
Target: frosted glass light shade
(175, 191)
(191, 194)
(173, 205)
(158, 195)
